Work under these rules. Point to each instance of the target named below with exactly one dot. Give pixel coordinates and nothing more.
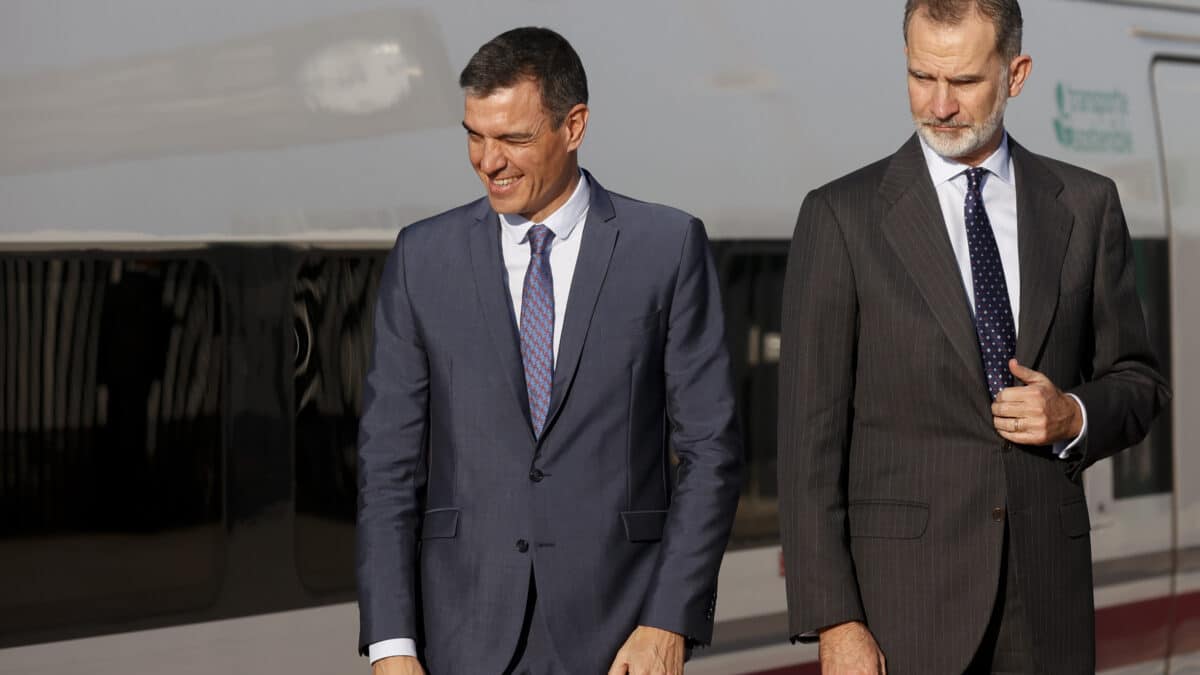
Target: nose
(492, 160)
(945, 105)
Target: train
(196, 200)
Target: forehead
(970, 44)
(520, 104)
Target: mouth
(952, 127)
(500, 186)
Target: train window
(1146, 468)
(110, 439)
(334, 303)
(751, 274)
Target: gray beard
(970, 138)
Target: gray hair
(1004, 14)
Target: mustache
(934, 122)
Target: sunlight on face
(959, 85)
(528, 166)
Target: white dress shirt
(1000, 202)
(567, 225)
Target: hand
(850, 649)
(1037, 413)
(650, 651)
(397, 665)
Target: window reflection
(110, 438)
(334, 303)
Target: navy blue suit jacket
(458, 499)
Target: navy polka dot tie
(993, 312)
(537, 326)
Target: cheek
(474, 154)
(981, 104)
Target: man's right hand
(397, 665)
(850, 649)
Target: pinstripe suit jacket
(891, 473)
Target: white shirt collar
(562, 222)
(942, 170)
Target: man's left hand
(1037, 413)
(650, 651)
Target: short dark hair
(537, 54)
(1005, 16)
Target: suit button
(997, 514)
(1007, 447)
(522, 545)
(536, 475)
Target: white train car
(195, 200)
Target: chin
(951, 144)
(505, 205)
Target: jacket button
(997, 514)
(536, 475)
(1007, 447)
(522, 545)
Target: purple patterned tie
(993, 311)
(537, 326)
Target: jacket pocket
(888, 519)
(439, 524)
(644, 525)
(1074, 516)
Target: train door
(1177, 94)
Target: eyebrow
(514, 137)
(957, 79)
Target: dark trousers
(535, 653)
(1007, 647)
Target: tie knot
(539, 238)
(975, 177)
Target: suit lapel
(595, 253)
(487, 264)
(1043, 230)
(914, 226)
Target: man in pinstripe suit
(962, 338)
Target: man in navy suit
(549, 458)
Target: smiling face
(528, 166)
(959, 85)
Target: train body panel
(195, 199)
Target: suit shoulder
(659, 215)
(1074, 176)
(867, 178)
(433, 230)
(653, 225)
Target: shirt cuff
(397, 647)
(1062, 449)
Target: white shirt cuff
(397, 647)
(1062, 449)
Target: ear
(575, 126)
(1018, 72)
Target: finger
(1023, 437)
(1012, 394)
(620, 664)
(1026, 375)
(1009, 425)
(1007, 408)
